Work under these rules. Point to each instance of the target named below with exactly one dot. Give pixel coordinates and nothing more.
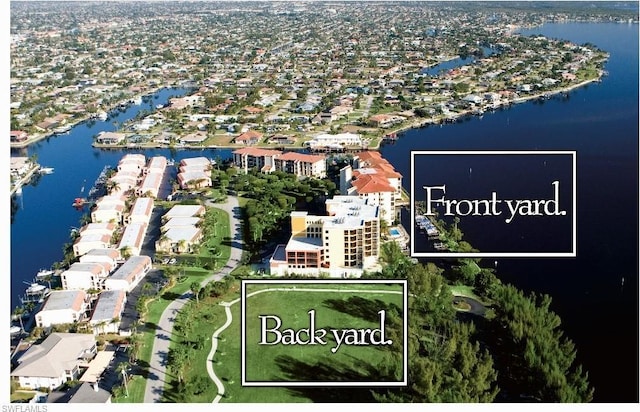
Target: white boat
(102, 116)
(14, 330)
(137, 100)
(46, 170)
(36, 288)
(44, 273)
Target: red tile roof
(254, 151)
(366, 183)
(301, 157)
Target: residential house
(108, 311)
(249, 138)
(85, 276)
(90, 241)
(18, 136)
(132, 239)
(150, 185)
(110, 138)
(108, 209)
(110, 256)
(58, 359)
(140, 211)
(129, 274)
(62, 306)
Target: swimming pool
(394, 232)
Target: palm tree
(122, 369)
(18, 312)
(195, 288)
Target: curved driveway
(160, 351)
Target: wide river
(599, 121)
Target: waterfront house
(61, 357)
(327, 141)
(133, 163)
(108, 312)
(123, 181)
(19, 165)
(90, 241)
(85, 275)
(129, 274)
(200, 162)
(157, 164)
(110, 256)
(108, 209)
(62, 306)
(249, 138)
(110, 138)
(17, 136)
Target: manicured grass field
(324, 361)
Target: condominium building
(373, 178)
(343, 244)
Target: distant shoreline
(416, 124)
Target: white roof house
(108, 311)
(201, 162)
(334, 140)
(99, 228)
(54, 361)
(62, 306)
(184, 211)
(151, 184)
(108, 209)
(129, 274)
(85, 276)
(133, 238)
(141, 210)
(102, 255)
(91, 241)
(157, 164)
(180, 222)
(194, 179)
(132, 162)
(179, 239)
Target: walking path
(227, 311)
(160, 351)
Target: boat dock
(426, 225)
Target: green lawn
(333, 310)
(339, 310)
(22, 396)
(186, 275)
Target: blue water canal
(45, 217)
(599, 121)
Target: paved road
(476, 308)
(160, 351)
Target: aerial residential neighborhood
(215, 143)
